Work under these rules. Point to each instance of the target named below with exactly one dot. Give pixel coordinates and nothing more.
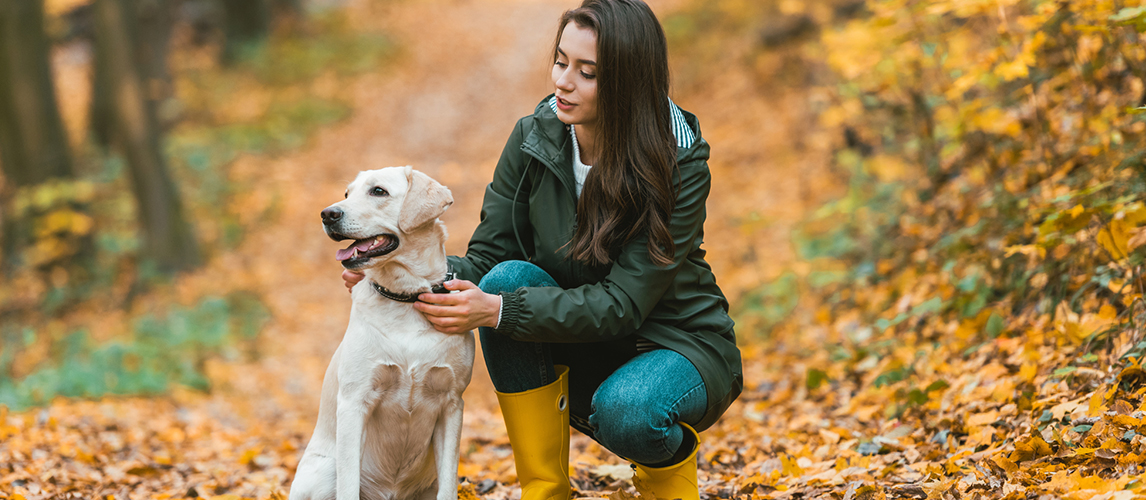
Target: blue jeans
(628, 401)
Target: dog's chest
(414, 382)
(405, 364)
(418, 388)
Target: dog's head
(381, 208)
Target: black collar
(410, 298)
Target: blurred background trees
(33, 146)
(126, 181)
(131, 44)
(131, 106)
(131, 82)
(132, 100)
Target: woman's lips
(564, 105)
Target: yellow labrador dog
(390, 416)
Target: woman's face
(575, 76)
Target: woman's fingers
(451, 299)
(459, 285)
(447, 324)
(351, 278)
(443, 311)
(441, 298)
(463, 310)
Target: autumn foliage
(971, 311)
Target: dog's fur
(390, 416)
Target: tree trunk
(168, 238)
(245, 22)
(153, 19)
(33, 146)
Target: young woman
(595, 305)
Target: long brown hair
(630, 189)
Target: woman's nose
(563, 82)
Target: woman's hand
(459, 312)
(351, 278)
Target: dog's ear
(425, 200)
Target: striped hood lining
(680, 129)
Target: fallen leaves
(117, 447)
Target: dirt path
(445, 105)
(466, 73)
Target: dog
(390, 415)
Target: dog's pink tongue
(348, 252)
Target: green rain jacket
(529, 213)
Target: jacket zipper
(537, 155)
(575, 268)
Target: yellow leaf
(789, 467)
(1134, 214)
(995, 121)
(980, 419)
(1006, 464)
(84, 456)
(1096, 407)
(1115, 238)
(1107, 313)
(470, 469)
(1124, 420)
(1012, 70)
(466, 492)
(621, 494)
(1030, 448)
(1028, 372)
(829, 436)
(1130, 459)
(249, 455)
(887, 168)
(81, 224)
(1028, 250)
(1137, 238)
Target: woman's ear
(425, 200)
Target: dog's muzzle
(362, 249)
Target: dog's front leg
(447, 440)
(348, 443)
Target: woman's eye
(588, 76)
(560, 64)
(378, 192)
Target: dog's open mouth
(362, 250)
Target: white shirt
(580, 170)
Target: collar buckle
(410, 298)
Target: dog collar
(410, 298)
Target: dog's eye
(378, 192)
(346, 194)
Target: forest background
(928, 217)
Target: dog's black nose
(331, 215)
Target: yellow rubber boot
(537, 422)
(671, 482)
